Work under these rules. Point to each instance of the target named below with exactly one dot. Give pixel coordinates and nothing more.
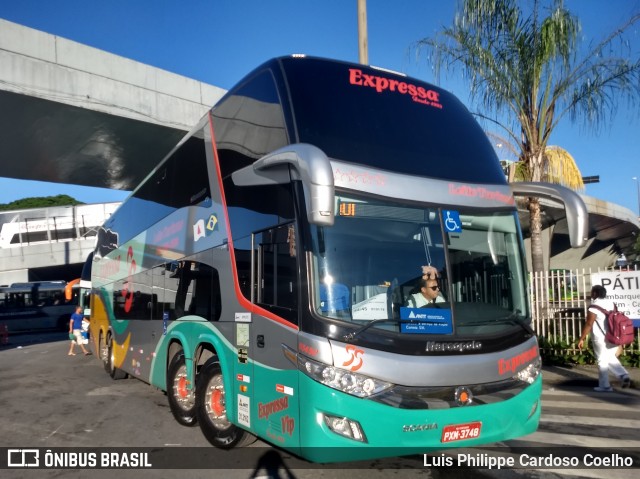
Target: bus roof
(39, 285)
(366, 115)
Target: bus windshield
(368, 266)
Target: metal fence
(559, 301)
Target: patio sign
(623, 288)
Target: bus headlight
(346, 427)
(531, 372)
(346, 381)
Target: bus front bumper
(387, 431)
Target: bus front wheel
(182, 399)
(211, 409)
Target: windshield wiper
(351, 336)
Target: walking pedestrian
(608, 361)
(75, 332)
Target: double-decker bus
(261, 274)
(37, 305)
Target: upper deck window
(249, 122)
(363, 115)
(179, 182)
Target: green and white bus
(260, 275)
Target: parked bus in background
(38, 305)
(84, 286)
(260, 275)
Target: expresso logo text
(380, 84)
(267, 409)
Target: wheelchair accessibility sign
(451, 220)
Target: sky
(219, 41)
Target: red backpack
(618, 327)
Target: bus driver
(429, 293)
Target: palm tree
(558, 166)
(529, 69)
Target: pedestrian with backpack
(605, 352)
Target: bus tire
(182, 401)
(113, 371)
(103, 351)
(212, 412)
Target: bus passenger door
(275, 338)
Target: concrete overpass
(613, 230)
(73, 114)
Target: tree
(530, 69)
(40, 202)
(557, 166)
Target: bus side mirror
(577, 214)
(308, 164)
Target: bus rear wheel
(182, 400)
(113, 371)
(104, 353)
(211, 409)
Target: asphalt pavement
(52, 400)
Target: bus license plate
(459, 432)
